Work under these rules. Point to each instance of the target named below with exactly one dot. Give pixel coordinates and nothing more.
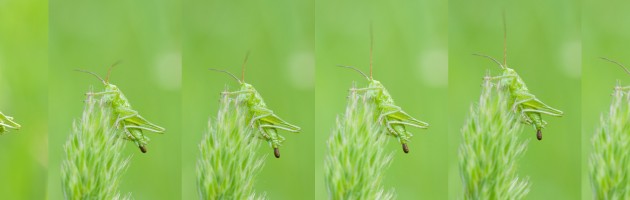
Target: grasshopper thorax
(118, 99)
(247, 87)
(381, 94)
(509, 71)
(513, 81)
(111, 87)
(375, 84)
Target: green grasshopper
(7, 122)
(392, 116)
(525, 103)
(262, 118)
(127, 119)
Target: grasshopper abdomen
(137, 137)
(538, 123)
(276, 152)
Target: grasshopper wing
(542, 107)
(276, 121)
(404, 117)
(145, 124)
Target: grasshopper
(525, 103)
(262, 118)
(7, 122)
(127, 119)
(391, 116)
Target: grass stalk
(491, 148)
(93, 165)
(610, 160)
(228, 163)
(356, 160)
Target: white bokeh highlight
(571, 58)
(301, 70)
(433, 67)
(168, 70)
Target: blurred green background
(413, 44)
(279, 35)
(23, 61)
(410, 59)
(544, 47)
(603, 35)
(144, 34)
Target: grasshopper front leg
(493, 78)
(237, 92)
(365, 89)
(93, 94)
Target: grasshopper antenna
(371, 47)
(491, 58)
(355, 69)
(89, 72)
(620, 65)
(243, 67)
(109, 71)
(504, 47)
(218, 70)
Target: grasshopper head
(111, 87)
(375, 84)
(246, 87)
(509, 71)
